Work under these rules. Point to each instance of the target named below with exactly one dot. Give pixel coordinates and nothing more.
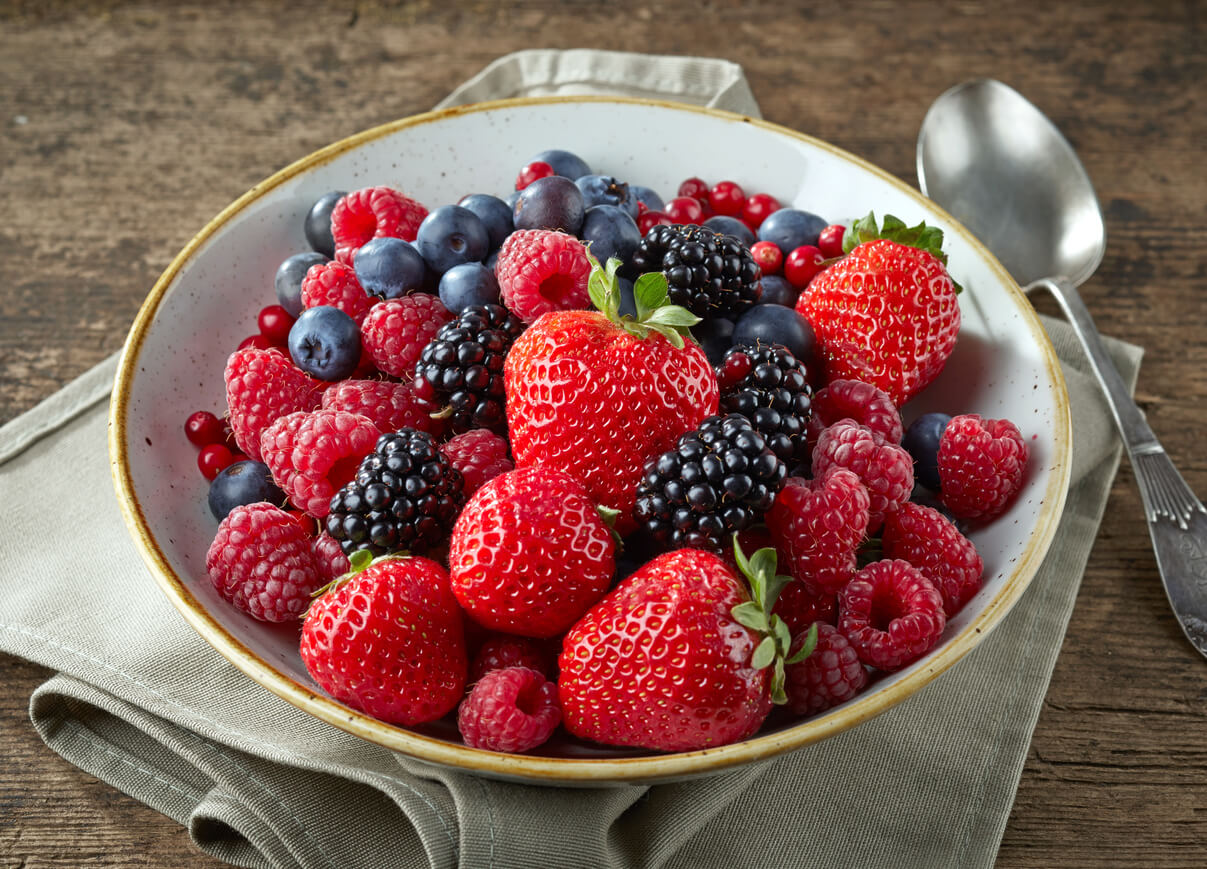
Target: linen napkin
(143, 703)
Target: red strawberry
(886, 313)
(388, 641)
(262, 386)
(596, 396)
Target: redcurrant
(768, 255)
(647, 220)
(727, 198)
(685, 209)
(203, 428)
(802, 264)
(534, 170)
(213, 458)
(257, 340)
(694, 187)
(829, 240)
(275, 322)
(758, 208)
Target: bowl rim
(574, 770)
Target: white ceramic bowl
(206, 302)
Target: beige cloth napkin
(143, 703)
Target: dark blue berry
(510, 200)
(325, 343)
(550, 203)
(452, 235)
(389, 267)
(773, 324)
(790, 228)
(318, 223)
(245, 482)
(468, 284)
(494, 213)
(288, 280)
(611, 232)
(777, 291)
(564, 163)
(606, 190)
(921, 441)
(731, 226)
(647, 197)
(628, 303)
(715, 337)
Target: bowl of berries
(489, 437)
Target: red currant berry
(685, 209)
(275, 322)
(768, 255)
(802, 264)
(647, 220)
(727, 198)
(696, 188)
(534, 170)
(829, 240)
(257, 340)
(203, 428)
(758, 208)
(213, 458)
(642, 208)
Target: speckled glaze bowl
(206, 302)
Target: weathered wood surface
(124, 128)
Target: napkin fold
(142, 702)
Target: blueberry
(611, 233)
(777, 291)
(288, 279)
(245, 482)
(318, 223)
(731, 226)
(494, 213)
(389, 267)
(647, 197)
(550, 203)
(790, 228)
(628, 303)
(715, 336)
(468, 284)
(921, 441)
(564, 163)
(773, 324)
(606, 190)
(452, 235)
(325, 343)
(511, 199)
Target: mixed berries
(579, 457)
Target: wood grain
(125, 127)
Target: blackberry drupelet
(770, 387)
(405, 495)
(710, 274)
(719, 479)
(461, 368)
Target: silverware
(1002, 168)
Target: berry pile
(656, 441)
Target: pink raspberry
(799, 607)
(391, 406)
(261, 561)
(395, 332)
(311, 455)
(831, 674)
(333, 283)
(330, 557)
(926, 539)
(817, 526)
(886, 469)
(504, 650)
(373, 212)
(261, 386)
(542, 270)
(480, 455)
(981, 464)
(513, 709)
(862, 402)
(891, 614)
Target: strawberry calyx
(357, 562)
(650, 292)
(775, 648)
(922, 237)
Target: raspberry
(831, 674)
(390, 406)
(817, 526)
(891, 614)
(374, 212)
(395, 332)
(862, 402)
(335, 284)
(542, 270)
(261, 561)
(926, 539)
(330, 557)
(800, 607)
(312, 454)
(513, 709)
(261, 386)
(480, 455)
(886, 469)
(981, 465)
(503, 650)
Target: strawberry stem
(655, 313)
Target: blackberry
(770, 387)
(710, 274)
(462, 367)
(405, 495)
(718, 480)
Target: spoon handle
(1177, 520)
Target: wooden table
(124, 128)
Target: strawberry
(387, 639)
(886, 313)
(596, 394)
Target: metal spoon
(1002, 168)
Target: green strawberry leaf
(650, 293)
(778, 695)
(750, 615)
(764, 654)
(603, 288)
(807, 649)
(923, 237)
